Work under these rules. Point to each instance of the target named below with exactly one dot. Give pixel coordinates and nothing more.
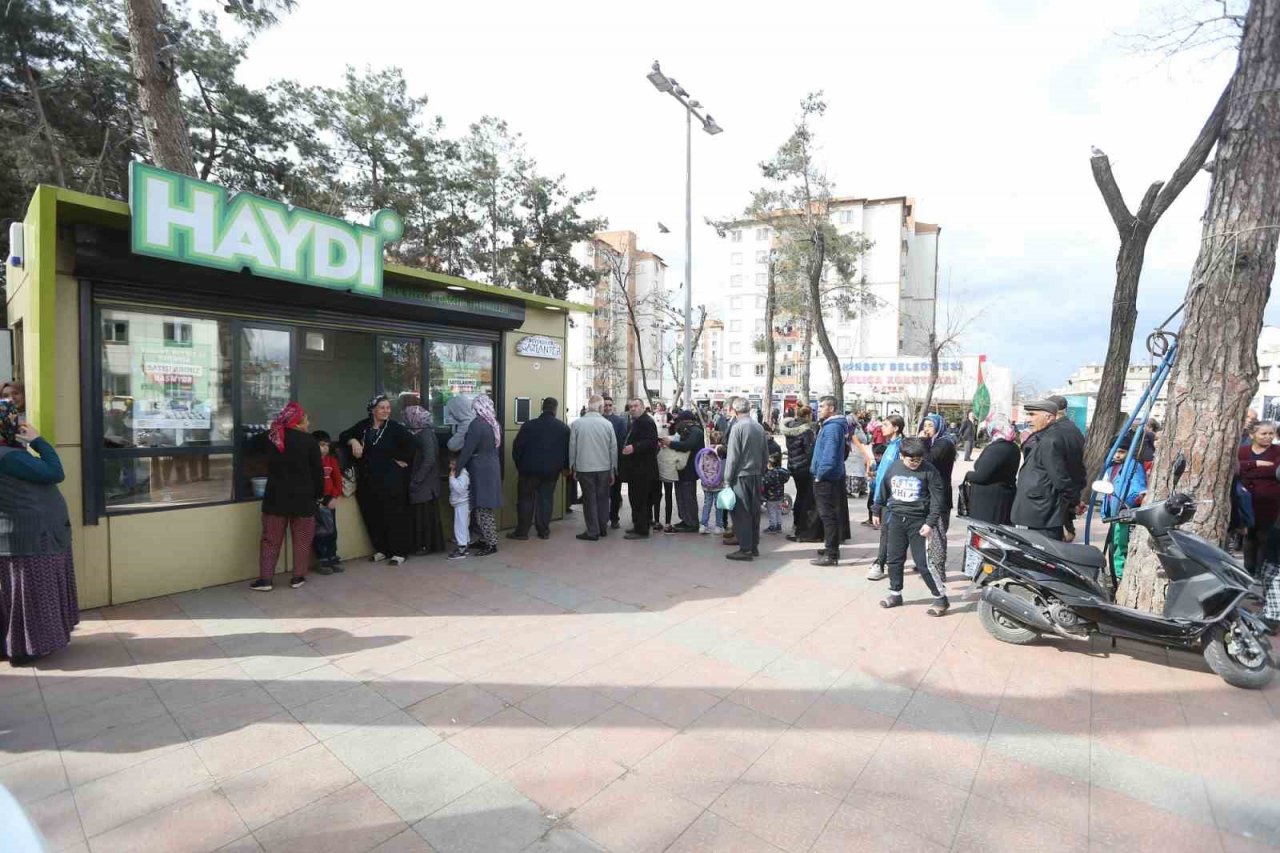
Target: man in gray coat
(593, 455)
(745, 465)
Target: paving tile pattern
(622, 696)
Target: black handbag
(962, 499)
(326, 523)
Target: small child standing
(325, 542)
(775, 490)
(912, 494)
(460, 500)
(710, 467)
(1134, 490)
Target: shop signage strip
(179, 218)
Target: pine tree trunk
(159, 99)
(934, 369)
(42, 121)
(820, 323)
(1107, 415)
(770, 347)
(1215, 374)
(806, 358)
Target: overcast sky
(984, 112)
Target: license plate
(972, 562)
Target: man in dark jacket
(1075, 462)
(1046, 489)
(827, 466)
(541, 454)
(688, 439)
(638, 467)
(620, 432)
(968, 434)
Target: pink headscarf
(484, 411)
(416, 418)
(290, 416)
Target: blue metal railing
(1141, 416)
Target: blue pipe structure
(1143, 409)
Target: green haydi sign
(179, 218)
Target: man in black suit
(969, 434)
(620, 427)
(638, 467)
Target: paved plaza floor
(624, 696)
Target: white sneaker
(395, 561)
(718, 530)
(876, 572)
(704, 530)
(378, 557)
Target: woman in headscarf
(383, 450)
(994, 478)
(424, 482)
(15, 392)
(295, 486)
(479, 456)
(38, 605)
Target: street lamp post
(666, 84)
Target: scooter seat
(1077, 555)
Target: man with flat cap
(1075, 461)
(1047, 492)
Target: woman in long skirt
(384, 451)
(38, 604)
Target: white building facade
(604, 353)
(900, 271)
(1085, 381)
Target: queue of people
(398, 474)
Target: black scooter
(1032, 586)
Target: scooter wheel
(1251, 675)
(1004, 628)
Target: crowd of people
(814, 463)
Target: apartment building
(605, 353)
(900, 271)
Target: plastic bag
(726, 500)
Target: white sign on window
(538, 346)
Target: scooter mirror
(1104, 487)
(1179, 468)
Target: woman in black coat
(383, 450)
(688, 439)
(295, 485)
(993, 481)
(801, 437)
